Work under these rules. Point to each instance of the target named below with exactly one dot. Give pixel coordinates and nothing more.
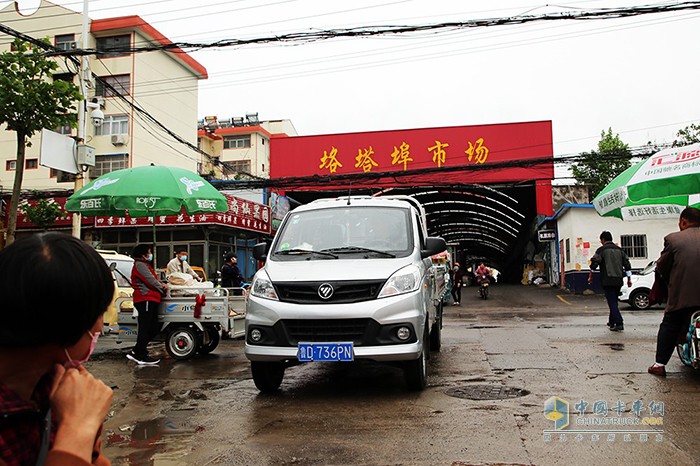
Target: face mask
(183, 258)
(150, 257)
(456, 269)
(75, 363)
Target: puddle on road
(614, 346)
(163, 436)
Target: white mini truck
(345, 279)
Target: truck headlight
(262, 287)
(403, 281)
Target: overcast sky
(637, 75)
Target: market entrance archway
(482, 186)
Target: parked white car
(637, 295)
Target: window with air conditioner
(119, 139)
(113, 124)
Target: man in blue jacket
(614, 264)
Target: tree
(688, 135)
(598, 168)
(43, 213)
(30, 99)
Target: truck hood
(334, 270)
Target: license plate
(325, 352)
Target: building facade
(163, 84)
(239, 146)
(571, 236)
(140, 94)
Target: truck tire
(640, 300)
(267, 375)
(214, 339)
(416, 372)
(436, 331)
(182, 343)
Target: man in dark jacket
(230, 273)
(678, 266)
(614, 264)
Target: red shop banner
(449, 152)
(243, 214)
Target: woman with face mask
(148, 292)
(54, 291)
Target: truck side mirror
(433, 245)
(260, 251)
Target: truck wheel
(267, 375)
(214, 339)
(416, 372)
(640, 300)
(181, 343)
(436, 331)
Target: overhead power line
(374, 31)
(401, 176)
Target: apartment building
(239, 145)
(163, 84)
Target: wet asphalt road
(522, 346)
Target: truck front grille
(328, 330)
(343, 291)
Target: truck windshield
(348, 232)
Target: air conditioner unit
(119, 139)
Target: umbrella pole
(155, 259)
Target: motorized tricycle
(194, 319)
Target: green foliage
(29, 98)
(688, 135)
(598, 168)
(43, 213)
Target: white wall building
(240, 145)
(164, 84)
(577, 230)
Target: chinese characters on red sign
(401, 156)
(241, 213)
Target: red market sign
(242, 214)
(426, 148)
(454, 155)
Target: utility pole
(83, 77)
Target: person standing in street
(457, 276)
(148, 292)
(679, 266)
(230, 273)
(614, 264)
(179, 264)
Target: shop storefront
(207, 237)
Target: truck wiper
(285, 252)
(351, 249)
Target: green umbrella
(147, 191)
(658, 187)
